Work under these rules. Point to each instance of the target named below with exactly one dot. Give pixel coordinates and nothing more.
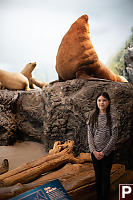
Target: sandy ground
(22, 152)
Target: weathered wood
(36, 163)
(88, 177)
(69, 144)
(85, 191)
(117, 171)
(127, 177)
(88, 190)
(69, 170)
(71, 183)
(33, 172)
(58, 146)
(33, 169)
(72, 176)
(4, 167)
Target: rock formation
(60, 112)
(128, 70)
(7, 116)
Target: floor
(21, 152)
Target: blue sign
(52, 190)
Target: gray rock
(7, 116)
(128, 68)
(61, 111)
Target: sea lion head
(32, 65)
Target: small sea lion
(27, 71)
(14, 80)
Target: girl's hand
(101, 153)
(98, 155)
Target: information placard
(52, 190)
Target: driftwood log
(4, 167)
(81, 175)
(73, 172)
(31, 170)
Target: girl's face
(102, 104)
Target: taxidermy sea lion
(14, 80)
(76, 57)
(27, 71)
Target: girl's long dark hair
(93, 121)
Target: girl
(102, 137)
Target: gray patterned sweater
(101, 139)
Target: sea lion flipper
(27, 88)
(38, 83)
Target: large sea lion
(14, 80)
(76, 57)
(27, 71)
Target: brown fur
(14, 80)
(76, 57)
(27, 71)
(38, 83)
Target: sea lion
(27, 71)
(76, 57)
(14, 80)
